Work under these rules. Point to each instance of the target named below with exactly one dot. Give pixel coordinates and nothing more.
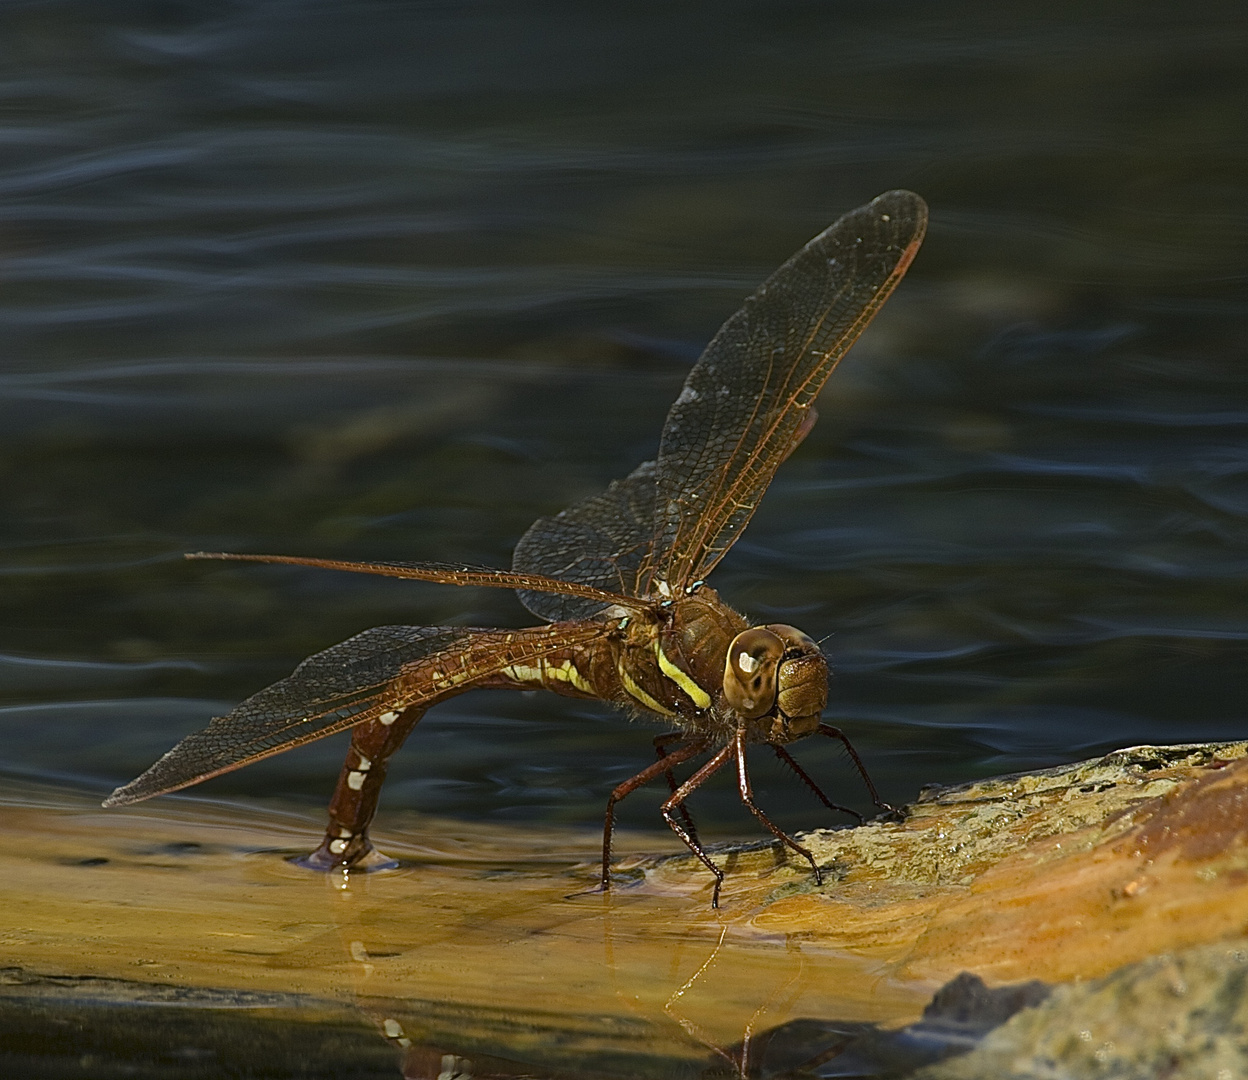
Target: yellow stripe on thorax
(638, 693)
(696, 694)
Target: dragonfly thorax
(773, 677)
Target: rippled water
(390, 280)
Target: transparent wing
(744, 408)
(602, 542)
(443, 573)
(381, 670)
(748, 401)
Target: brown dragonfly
(619, 578)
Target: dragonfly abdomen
(560, 674)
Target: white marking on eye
(885, 217)
(338, 846)
(388, 718)
(392, 1028)
(355, 780)
(747, 663)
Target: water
(390, 280)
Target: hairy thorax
(695, 663)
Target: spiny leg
(787, 758)
(747, 796)
(680, 795)
(660, 749)
(836, 733)
(664, 764)
(346, 844)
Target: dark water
(389, 280)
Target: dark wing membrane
(748, 401)
(385, 669)
(602, 542)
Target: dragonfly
(619, 582)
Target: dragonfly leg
(661, 743)
(658, 768)
(836, 733)
(787, 758)
(680, 795)
(346, 844)
(747, 796)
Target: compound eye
(796, 642)
(750, 671)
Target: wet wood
(1054, 875)
(476, 946)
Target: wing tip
(901, 195)
(912, 207)
(149, 784)
(896, 219)
(123, 796)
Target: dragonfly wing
(603, 541)
(444, 573)
(382, 670)
(748, 401)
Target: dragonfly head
(776, 673)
